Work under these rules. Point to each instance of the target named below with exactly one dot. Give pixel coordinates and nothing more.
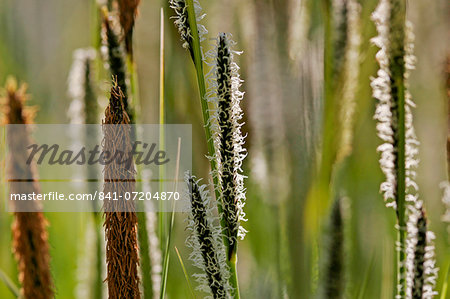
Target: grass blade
(191, 290)
(444, 290)
(166, 257)
(161, 216)
(9, 284)
(144, 254)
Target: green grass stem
(198, 63)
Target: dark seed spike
(419, 256)
(226, 151)
(117, 64)
(335, 268)
(205, 239)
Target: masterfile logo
(73, 167)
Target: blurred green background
(281, 65)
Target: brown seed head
(120, 216)
(30, 239)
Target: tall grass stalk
(192, 16)
(188, 13)
(144, 255)
(341, 70)
(30, 237)
(230, 152)
(191, 35)
(400, 148)
(161, 216)
(389, 89)
(191, 290)
(84, 110)
(335, 42)
(122, 255)
(330, 102)
(128, 10)
(165, 270)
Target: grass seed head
(207, 252)
(229, 141)
(116, 60)
(395, 58)
(30, 238)
(181, 21)
(120, 216)
(81, 88)
(128, 10)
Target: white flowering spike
(77, 83)
(153, 240)
(387, 111)
(181, 21)
(399, 152)
(83, 107)
(208, 253)
(228, 139)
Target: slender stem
(134, 85)
(143, 236)
(319, 194)
(397, 69)
(198, 62)
(161, 68)
(143, 239)
(161, 216)
(9, 284)
(98, 281)
(191, 290)
(233, 275)
(328, 147)
(97, 286)
(166, 258)
(144, 254)
(170, 229)
(95, 24)
(164, 232)
(401, 180)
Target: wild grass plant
(399, 152)
(220, 102)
